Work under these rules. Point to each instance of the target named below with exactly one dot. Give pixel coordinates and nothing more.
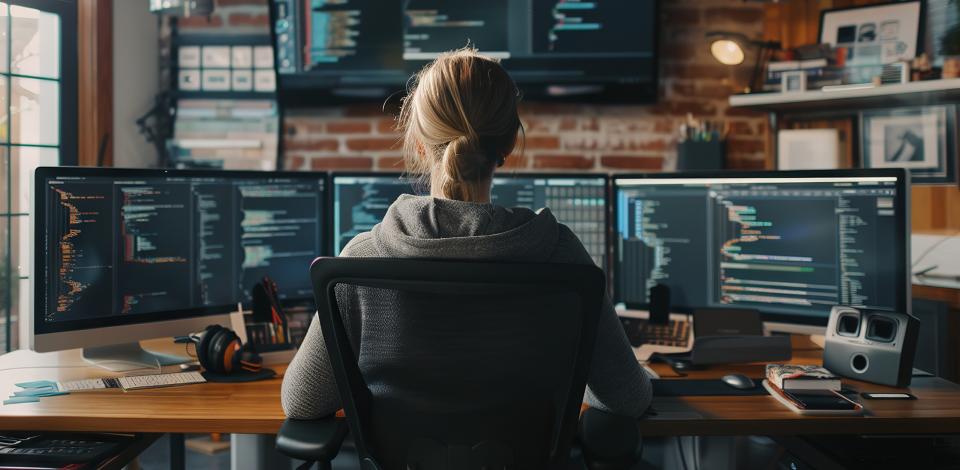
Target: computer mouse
(738, 381)
(681, 365)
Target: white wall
(135, 81)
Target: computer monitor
(792, 244)
(123, 255)
(361, 200)
(579, 201)
(598, 50)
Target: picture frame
(920, 139)
(808, 149)
(873, 36)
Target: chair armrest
(315, 440)
(609, 441)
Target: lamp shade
(727, 51)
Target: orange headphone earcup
(249, 360)
(222, 344)
(231, 355)
(204, 349)
(221, 351)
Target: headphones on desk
(220, 351)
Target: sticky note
(15, 400)
(46, 392)
(37, 384)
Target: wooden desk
(246, 408)
(936, 410)
(254, 408)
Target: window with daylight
(38, 120)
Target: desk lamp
(728, 48)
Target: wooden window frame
(95, 82)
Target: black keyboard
(56, 451)
(675, 333)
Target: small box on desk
(701, 155)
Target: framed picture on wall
(808, 149)
(873, 35)
(921, 139)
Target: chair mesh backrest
(464, 364)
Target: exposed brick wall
(559, 136)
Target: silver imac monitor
(124, 255)
(791, 244)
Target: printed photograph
(903, 143)
(920, 139)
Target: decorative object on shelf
(922, 69)
(951, 67)
(896, 72)
(949, 39)
(808, 149)
(873, 35)
(921, 139)
(794, 81)
(232, 65)
(816, 51)
(821, 65)
(729, 49)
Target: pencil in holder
(701, 155)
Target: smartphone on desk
(821, 400)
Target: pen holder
(701, 155)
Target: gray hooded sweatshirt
(426, 227)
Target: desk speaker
(871, 345)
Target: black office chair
(495, 383)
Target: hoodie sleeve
(309, 389)
(616, 382)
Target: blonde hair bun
(459, 121)
(463, 162)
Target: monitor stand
(129, 356)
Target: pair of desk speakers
(871, 345)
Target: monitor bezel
(902, 204)
(42, 174)
(607, 197)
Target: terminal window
(788, 247)
(126, 247)
(580, 203)
(364, 42)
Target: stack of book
(808, 390)
(792, 377)
(820, 73)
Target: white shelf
(920, 93)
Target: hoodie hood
(428, 227)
